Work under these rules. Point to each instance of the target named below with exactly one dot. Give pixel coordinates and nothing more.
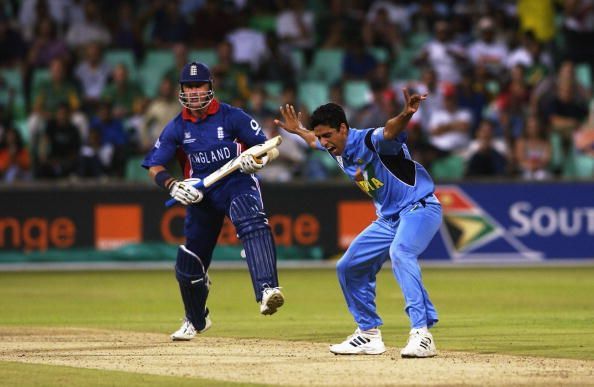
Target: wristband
(161, 178)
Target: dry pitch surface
(277, 362)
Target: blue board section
(515, 222)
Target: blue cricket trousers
(401, 240)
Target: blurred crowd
(86, 86)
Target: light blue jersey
(409, 216)
(384, 170)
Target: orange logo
(117, 225)
(353, 217)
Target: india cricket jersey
(384, 170)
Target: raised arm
(395, 125)
(292, 124)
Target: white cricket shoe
(420, 344)
(272, 299)
(187, 331)
(360, 343)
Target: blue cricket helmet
(195, 73)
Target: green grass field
(529, 311)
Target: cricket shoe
(272, 299)
(420, 344)
(187, 331)
(360, 343)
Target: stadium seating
(155, 65)
(14, 84)
(298, 59)
(448, 168)
(583, 75)
(357, 94)
(134, 171)
(313, 94)
(380, 54)
(404, 68)
(40, 76)
(114, 57)
(326, 65)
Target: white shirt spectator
(398, 14)
(443, 62)
(491, 54)
(287, 27)
(93, 80)
(519, 56)
(249, 46)
(80, 34)
(451, 141)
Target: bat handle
(171, 202)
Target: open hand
(292, 123)
(412, 102)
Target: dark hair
(330, 114)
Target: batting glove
(185, 193)
(249, 164)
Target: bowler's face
(334, 140)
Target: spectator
(121, 92)
(427, 85)
(397, 12)
(170, 27)
(449, 128)
(32, 11)
(486, 51)
(472, 98)
(232, 77)
(46, 46)
(89, 30)
(249, 45)
(275, 66)
(92, 73)
(95, 158)
(59, 146)
(567, 111)
(292, 149)
(48, 97)
(358, 63)
(533, 151)
(158, 114)
(380, 31)
(113, 136)
(382, 107)
(211, 22)
(578, 32)
(487, 158)
(510, 107)
(443, 55)
(126, 30)
(335, 24)
(295, 29)
(15, 163)
(12, 46)
(180, 53)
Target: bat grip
(171, 202)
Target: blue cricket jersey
(384, 170)
(204, 145)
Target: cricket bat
(269, 148)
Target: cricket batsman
(203, 137)
(409, 215)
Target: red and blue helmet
(195, 74)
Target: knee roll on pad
(247, 214)
(193, 285)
